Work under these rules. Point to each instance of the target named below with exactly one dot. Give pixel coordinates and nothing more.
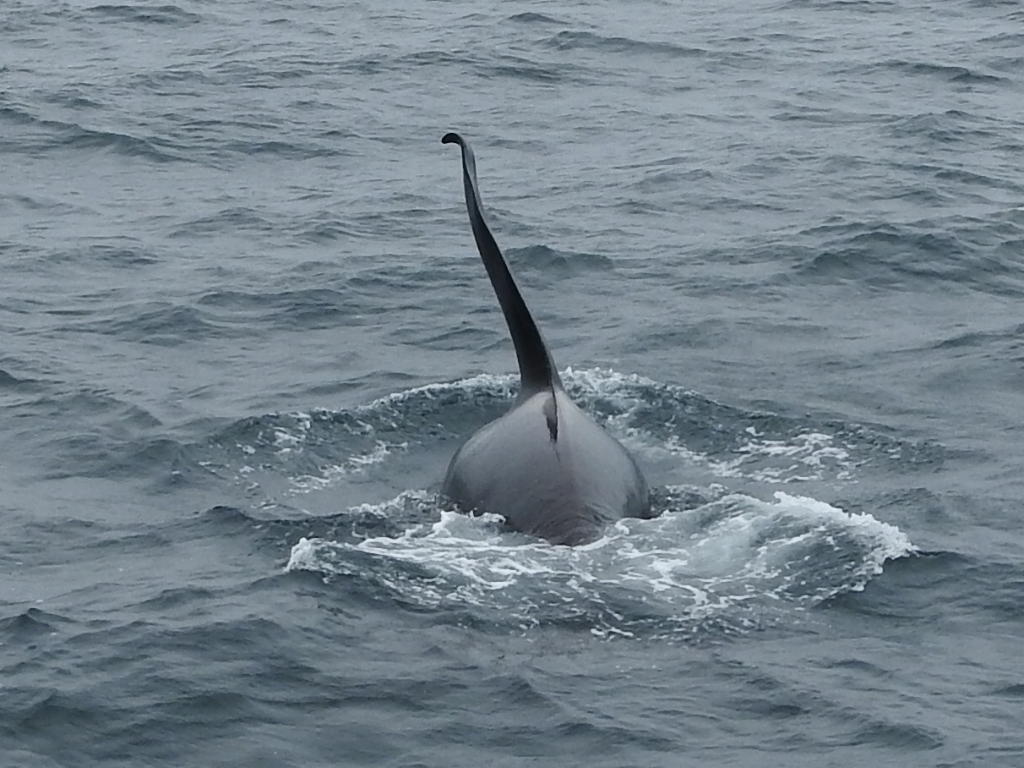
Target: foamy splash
(733, 563)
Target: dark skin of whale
(545, 466)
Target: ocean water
(777, 248)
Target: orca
(545, 466)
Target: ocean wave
(960, 253)
(47, 134)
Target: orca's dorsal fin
(536, 368)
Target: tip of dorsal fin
(536, 368)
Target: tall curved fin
(536, 368)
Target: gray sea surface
(777, 248)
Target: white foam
(813, 455)
(747, 556)
(354, 464)
(500, 384)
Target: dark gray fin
(536, 367)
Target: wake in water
(719, 558)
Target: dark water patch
(1012, 40)
(229, 220)
(127, 542)
(20, 116)
(149, 686)
(93, 433)
(451, 340)
(74, 97)
(507, 66)
(1010, 65)
(150, 148)
(568, 41)
(939, 128)
(858, 666)
(87, 403)
(54, 715)
(45, 530)
(286, 150)
(305, 309)
(175, 80)
(963, 178)
(392, 221)
(227, 639)
(984, 588)
(174, 598)
(856, 6)
(530, 17)
(158, 323)
(962, 255)
(47, 135)
(30, 203)
(329, 229)
(1013, 336)
(705, 334)
(655, 181)
(382, 63)
(522, 69)
(925, 507)
(641, 207)
(124, 252)
(994, 4)
(431, 58)
(948, 127)
(562, 264)
(107, 453)
(146, 14)
(12, 383)
(949, 73)
(28, 626)
(902, 736)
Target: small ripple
(13, 383)
(534, 18)
(567, 41)
(558, 263)
(228, 220)
(146, 14)
(304, 309)
(159, 323)
(858, 6)
(56, 134)
(903, 736)
(27, 626)
(949, 73)
(958, 253)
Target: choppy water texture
(777, 248)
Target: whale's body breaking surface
(545, 466)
